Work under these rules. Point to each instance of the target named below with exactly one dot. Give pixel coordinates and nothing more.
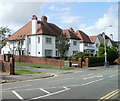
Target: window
(38, 52)
(74, 52)
(97, 44)
(74, 42)
(29, 40)
(48, 40)
(86, 44)
(38, 39)
(48, 52)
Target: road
(74, 84)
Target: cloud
(60, 9)
(109, 18)
(15, 15)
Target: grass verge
(23, 71)
(42, 66)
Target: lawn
(22, 71)
(42, 66)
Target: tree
(112, 52)
(62, 44)
(3, 31)
(101, 49)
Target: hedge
(96, 61)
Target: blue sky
(89, 12)
(90, 17)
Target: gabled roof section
(93, 38)
(71, 34)
(84, 38)
(43, 28)
(22, 32)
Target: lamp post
(106, 63)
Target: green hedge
(96, 61)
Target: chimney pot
(44, 19)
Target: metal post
(105, 49)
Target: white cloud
(109, 18)
(15, 15)
(60, 9)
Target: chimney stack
(111, 36)
(34, 24)
(44, 19)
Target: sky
(90, 17)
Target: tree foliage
(112, 52)
(3, 31)
(62, 44)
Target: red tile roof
(70, 34)
(93, 38)
(43, 28)
(84, 38)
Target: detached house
(73, 40)
(37, 38)
(99, 38)
(85, 44)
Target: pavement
(24, 77)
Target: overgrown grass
(42, 66)
(22, 71)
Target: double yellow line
(108, 96)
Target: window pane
(48, 52)
(74, 42)
(48, 40)
(38, 39)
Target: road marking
(61, 80)
(114, 75)
(17, 95)
(91, 82)
(109, 95)
(16, 87)
(65, 89)
(92, 77)
(44, 90)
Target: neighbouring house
(97, 39)
(85, 44)
(74, 42)
(37, 38)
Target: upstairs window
(74, 42)
(38, 39)
(48, 40)
(29, 40)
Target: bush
(81, 55)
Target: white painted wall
(72, 47)
(34, 48)
(81, 45)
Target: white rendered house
(37, 38)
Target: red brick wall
(6, 67)
(1, 57)
(39, 60)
